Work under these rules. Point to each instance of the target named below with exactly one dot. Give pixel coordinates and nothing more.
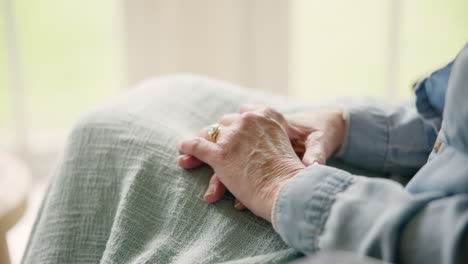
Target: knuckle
(250, 107)
(195, 144)
(226, 118)
(250, 116)
(269, 110)
(242, 108)
(222, 153)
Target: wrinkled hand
(253, 157)
(314, 135)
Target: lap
(118, 195)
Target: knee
(146, 104)
(95, 123)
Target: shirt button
(437, 146)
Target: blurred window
(356, 48)
(70, 57)
(71, 54)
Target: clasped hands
(259, 149)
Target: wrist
(270, 202)
(270, 193)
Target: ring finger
(190, 162)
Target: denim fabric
(430, 91)
(325, 208)
(430, 99)
(387, 139)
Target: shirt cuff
(303, 204)
(367, 138)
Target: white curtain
(243, 41)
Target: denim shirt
(325, 208)
(430, 99)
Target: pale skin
(259, 149)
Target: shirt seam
(388, 145)
(317, 209)
(324, 199)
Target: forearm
(324, 208)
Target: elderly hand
(253, 157)
(314, 135)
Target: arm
(390, 140)
(374, 217)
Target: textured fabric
(308, 216)
(324, 208)
(430, 98)
(430, 92)
(387, 139)
(118, 196)
(399, 139)
(337, 257)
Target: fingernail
(208, 197)
(237, 205)
(210, 192)
(179, 159)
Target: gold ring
(213, 131)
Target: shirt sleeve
(386, 139)
(324, 208)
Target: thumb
(315, 152)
